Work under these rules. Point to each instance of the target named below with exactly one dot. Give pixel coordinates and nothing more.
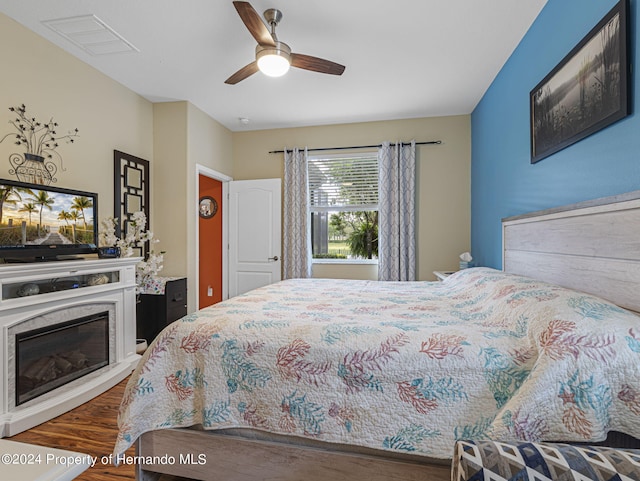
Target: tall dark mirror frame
(130, 193)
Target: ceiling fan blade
(243, 73)
(316, 64)
(254, 23)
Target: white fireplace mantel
(33, 293)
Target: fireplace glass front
(49, 357)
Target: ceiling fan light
(273, 65)
(274, 61)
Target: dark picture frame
(208, 207)
(131, 184)
(586, 92)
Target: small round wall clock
(208, 207)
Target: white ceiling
(403, 58)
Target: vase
(32, 168)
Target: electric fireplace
(49, 357)
(64, 338)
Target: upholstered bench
(496, 461)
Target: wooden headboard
(592, 246)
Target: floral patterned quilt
(398, 366)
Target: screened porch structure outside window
(343, 203)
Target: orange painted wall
(210, 242)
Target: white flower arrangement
(137, 235)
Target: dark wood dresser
(156, 311)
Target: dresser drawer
(176, 290)
(176, 312)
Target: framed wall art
(131, 185)
(208, 207)
(586, 91)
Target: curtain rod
(357, 147)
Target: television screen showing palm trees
(45, 216)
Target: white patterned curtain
(297, 243)
(396, 212)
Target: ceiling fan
(274, 57)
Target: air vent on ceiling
(90, 34)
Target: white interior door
(254, 234)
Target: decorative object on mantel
(97, 279)
(28, 289)
(129, 245)
(40, 141)
(110, 252)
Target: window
(343, 200)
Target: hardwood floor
(89, 429)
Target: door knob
(274, 258)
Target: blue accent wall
(503, 180)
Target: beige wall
(52, 83)
(184, 137)
(169, 185)
(443, 173)
(210, 145)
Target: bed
(379, 382)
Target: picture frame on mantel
(586, 92)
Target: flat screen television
(41, 222)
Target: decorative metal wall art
(40, 141)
